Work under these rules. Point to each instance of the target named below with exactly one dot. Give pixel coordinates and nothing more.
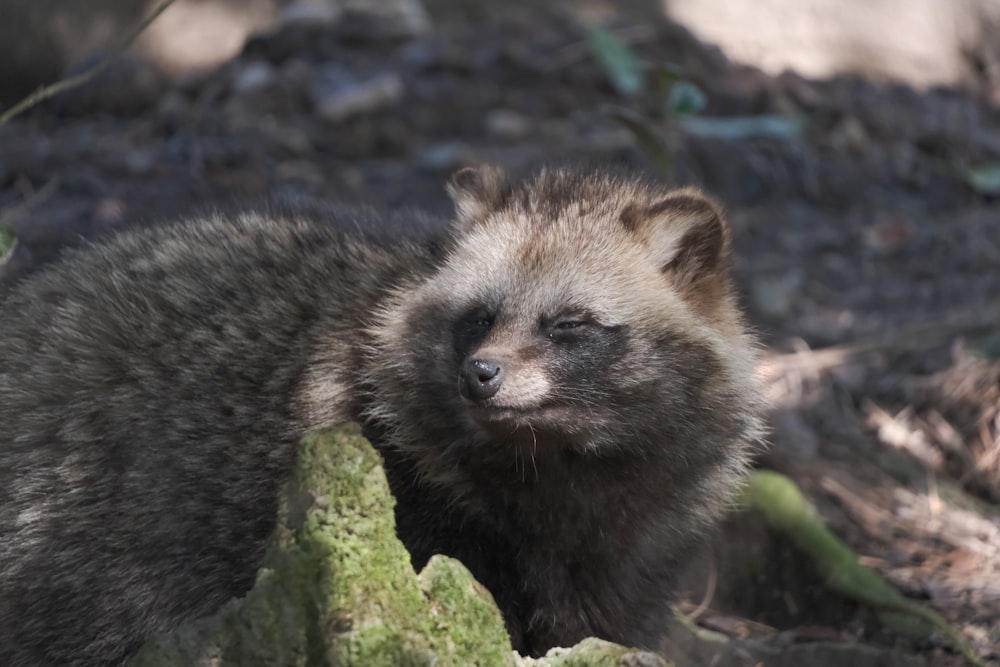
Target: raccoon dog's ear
(478, 191)
(686, 233)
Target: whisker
(534, 448)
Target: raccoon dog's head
(573, 313)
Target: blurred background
(855, 143)
(923, 42)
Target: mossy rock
(593, 652)
(337, 587)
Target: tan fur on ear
(686, 232)
(477, 191)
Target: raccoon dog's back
(151, 394)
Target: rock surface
(337, 588)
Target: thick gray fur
(149, 411)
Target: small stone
(296, 74)
(311, 12)
(409, 17)
(445, 156)
(379, 92)
(889, 233)
(353, 178)
(173, 107)
(507, 124)
(774, 296)
(593, 652)
(303, 172)
(140, 161)
(803, 93)
(292, 140)
(253, 76)
(850, 136)
(108, 212)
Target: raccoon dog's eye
(569, 327)
(471, 328)
(479, 319)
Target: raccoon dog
(560, 384)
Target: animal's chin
(527, 423)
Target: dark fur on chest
(570, 550)
(568, 404)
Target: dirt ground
(868, 263)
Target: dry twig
(47, 91)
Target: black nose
(480, 379)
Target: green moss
(348, 538)
(597, 653)
(337, 587)
(466, 623)
(786, 511)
